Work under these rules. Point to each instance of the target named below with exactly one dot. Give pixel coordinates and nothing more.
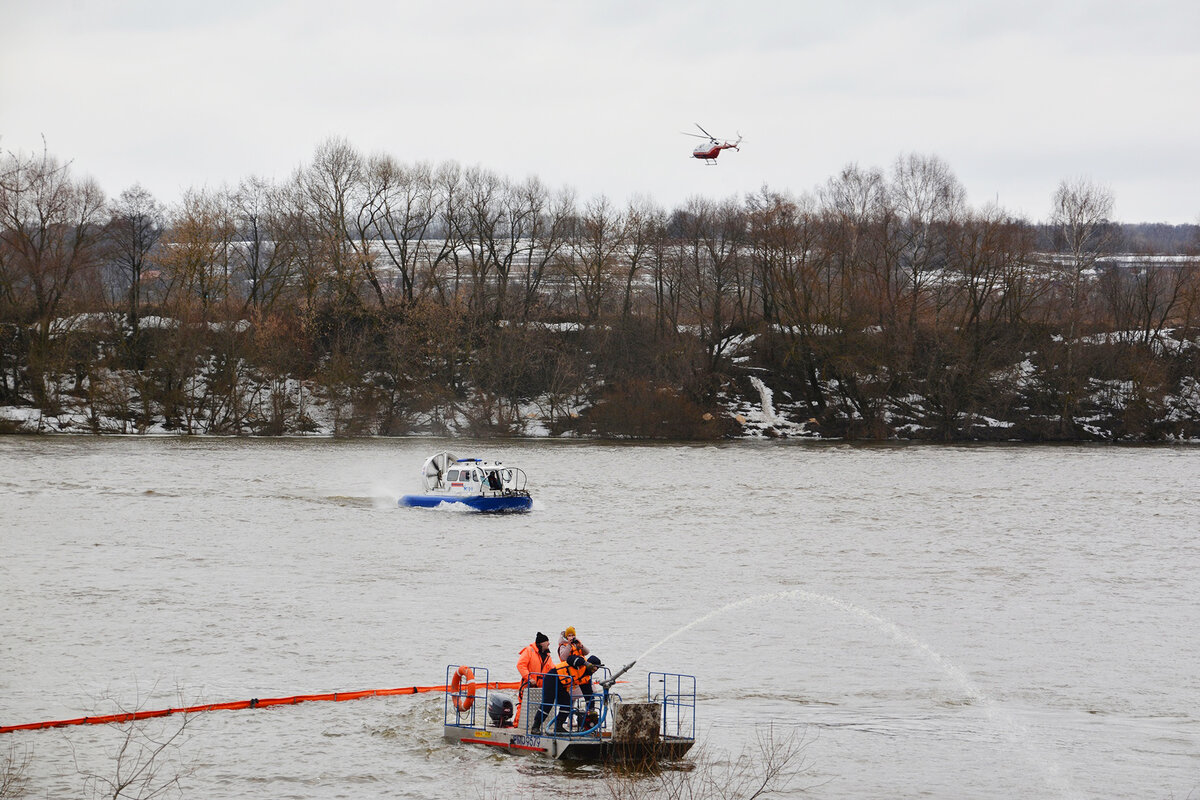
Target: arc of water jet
(710, 615)
(890, 627)
(1017, 733)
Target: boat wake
(453, 508)
(382, 497)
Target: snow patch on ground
(765, 420)
(768, 408)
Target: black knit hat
(541, 637)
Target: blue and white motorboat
(489, 486)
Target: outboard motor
(500, 710)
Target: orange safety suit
(531, 664)
(556, 691)
(571, 676)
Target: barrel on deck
(636, 737)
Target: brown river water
(942, 622)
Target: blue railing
(674, 692)
(475, 697)
(578, 709)
(677, 694)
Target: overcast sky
(1015, 96)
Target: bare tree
(853, 205)
(198, 249)
(1144, 296)
(993, 276)
(492, 227)
(497, 227)
(770, 218)
(928, 200)
(794, 275)
(1080, 216)
(595, 248)
(722, 291)
(50, 237)
(668, 265)
(712, 238)
(963, 363)
(330, 194)
(450, 186)
(551, 219)
(134, 229)
(267, 253)
(858, 295)
(524, 206)
(644, 227)
(402, 211)
(1188, 314)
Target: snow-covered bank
(1134, 386)
(748, 408)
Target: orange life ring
(462, 702)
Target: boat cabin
(476, 476)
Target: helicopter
(708, 152)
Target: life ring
(462, 701)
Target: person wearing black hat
(585, 689)
(532, 663)
(556, 690)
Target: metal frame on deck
(453, 716)
(678, 698)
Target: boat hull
(571, 748)
(499, 504)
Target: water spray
(1015, 731)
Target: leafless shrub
(768, 769)
(13, 781)
(145, 759)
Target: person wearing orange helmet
(569, 645)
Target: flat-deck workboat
(602, 726)
(489, 486)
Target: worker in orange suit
(532, 663)
(556, 692)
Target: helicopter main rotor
(706, 135)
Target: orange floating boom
(235, 705)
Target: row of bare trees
(880, 299)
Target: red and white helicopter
(708, 152)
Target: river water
(942, 622)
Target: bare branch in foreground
(145, 762)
